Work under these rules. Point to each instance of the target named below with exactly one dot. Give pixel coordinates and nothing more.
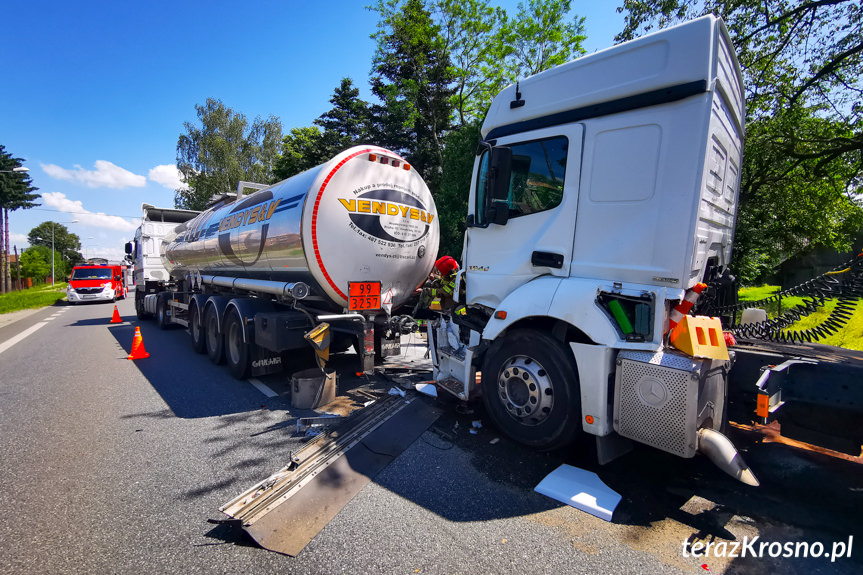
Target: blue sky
(95, 94)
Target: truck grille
(656, 400)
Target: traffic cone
(138, 351)
(116, 318)
(683, 307)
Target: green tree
(345, 125)
(215, 156)
(302, 149)
(470, 31)
(459, 150)
(16, 192)
(67, 244)
(413, 79)
(540, 37)
(803, 162)
(36, 263)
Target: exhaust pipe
(724, 455)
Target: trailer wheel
(530, 389)
(162, 319)
(237, 351)
(215, 343)
(196, 330)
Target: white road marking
(260, 386)
(7, 344)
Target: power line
(83, 213)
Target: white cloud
(75, 208)
(168, 176)
(106, 175)
(19, 240)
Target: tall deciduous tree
(66, 244)
(413, 79)
(225, 149)
(16, 192)
(541, 37)
(803, 164)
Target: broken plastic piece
(396, 391)
(426, 389)
(581, 489)
(477, 424)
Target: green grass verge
(40, 296)
(849, 337)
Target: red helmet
(446, 265)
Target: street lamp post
(52, 247)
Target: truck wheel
(530, 389)
(237, 351)
(139, 307)
(196, 330)
(162, 319)
(213, 337)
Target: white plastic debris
(396, 391)
(477, 424)
(495, 440)
(473, 432)
(428, 389)
(581, 489)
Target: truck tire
(530, 389)
(139, 307)
(162, 318)
(237, 351)
(213, 337)
(196, 330)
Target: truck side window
(536, 181)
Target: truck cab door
(521, 212)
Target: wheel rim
(212, 334)
(234, 341)
(525, 390)
(196, 328)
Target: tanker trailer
(347, 243)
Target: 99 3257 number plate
(364, 296)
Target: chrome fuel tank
(366, 215)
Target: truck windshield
(91, 274)
(536, 180)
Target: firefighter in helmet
(441, 284)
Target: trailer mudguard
(247, 307)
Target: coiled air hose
(844, 283)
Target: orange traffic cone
(116, 318)
(138, 351)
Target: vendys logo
(389, 215)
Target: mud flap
(298, 512)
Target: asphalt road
(114, 466)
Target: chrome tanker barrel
(364, 216)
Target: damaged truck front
(602, 191)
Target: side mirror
(499, 174)
(128, 247)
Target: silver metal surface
(363, 216)
(656, 400)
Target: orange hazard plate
(364, 295)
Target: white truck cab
(603, 189)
